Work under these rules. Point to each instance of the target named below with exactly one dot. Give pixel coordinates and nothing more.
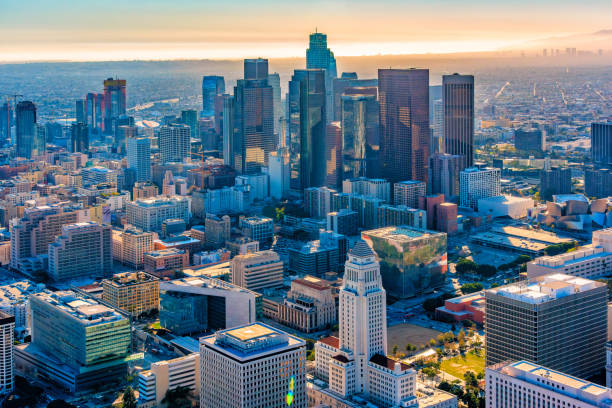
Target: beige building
(217, 229)
(130, 245)
(164, 262)
(258, 270)
(134, 292)
(144, 190)
(167, 375)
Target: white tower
(362, 314)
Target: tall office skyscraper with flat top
(26, 129)
(458, 101)
(404, 123)
(601, 143)
(212, 86)
(318, 56)
(115, 101)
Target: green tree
(395, 349)
(471, 287)
(177, 398)
(129, 400)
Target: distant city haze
(196, 29)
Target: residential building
(475, 183)
(130, 245)
(458, 101)
(165, 262)
(444, 170)
(343, 222)
(278, 170)
(149, 214)
(7, 369)
(167, 375)
(139, 157)
(559, 321)
(318, 201)
(217, 229)
(395, 215)
(368, 187)
(527, 384)
(258, 270)
(259, 185)
(258, 229)
(254, 365)
(408, 192)
(133, 292)
(174, 143)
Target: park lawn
(458, 365)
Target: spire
(361, 250)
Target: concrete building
(466, 307)
(601, 143)
(357, 362)
(14, 301)
(7, 371)
(235, 199)
(556, 180)
(408, 192)
(148, 214)
(217, 229)
(77, 342)
(241, 246)
(314, 258)
(257, 271)
(132, 292)
(278, 170)
(458, 100)
(98, 175)
(444, 170)
(526, 384)
(258, 229)
(195, 304)
(475, 183)
(83, 250)
(505, 206)
(259, 185)
(369, 187)
(343, 222)
(559, 321)
(318, 201)
(308, 307)
(174, 143)
(395, 215)
(597, 182)
(165, 262)
(143, 190)
(130, 245)
(139, 157)
(530, 140)
(166, 375)
(254, 365)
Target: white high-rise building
(7, 373)
(376, 188)
(174, 143)
(357, 362)
(475, 183)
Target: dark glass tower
(458, 101)
(601, 143)
(404, 123)
(212, 86)
(79, 138)
(307, 130)
(6, 121)
(25, 116)
(318, 56)
(115, 101)
(360, 144)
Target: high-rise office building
(556, 180)
(318, 56)
(253, 365)
(274, 82)
(475, 183)
(558, 321)
(149, 214)
(458, 100)
(139, 157)
(218, 229)
(360, 142)
(368, 187)
(123, 128)
(408, 192)
(444, 170)
(6, 122)
(251, 135)
(212, 86)
(80, 113)
(115, 101)
(174, 143)
(307, 130)
(404, 123)
(348, 84)
(133, 292)
(601, 143)
(94, 111)
(257, 271)
(7, 369)
(189, 117)
(278, 170)
(597, 182)
(79, 138)
(530, 140)
(333, 155)
(27, 135)
(83, 250)
(228, 130)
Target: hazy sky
(165, 29)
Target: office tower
(84, 250)
(80, 111)
(318, 56)
(212, 86)
(446, 218)
(228, 130)
(148, 214)
(343, 222)
(417, 265)
(218, 229)
(357, 362)
(123, 129)
(258, 229)
(597, 183)
(81, 334)
(274, 82)
(130, 245)
(95, 111)
(601, 143)
(251, 137)
(133, 292)
(139, 157)
(174, 143)
(350, 84)
(530, 140)
(430, 204)
(444, 170)
(79, 138)
(369, 187)
(404, 123)
(25, 119)
(525, 384)
(315, 258)
(278, 170)
(7, 374)
(396, 215)
(307, 130)
(189, 117)
(458, 100)
(558, 321)
(360, 143)
(40, 141)
(257, 271)
(557, 180)
(168, 375)
(6, 122)
(437, 123)
(475, 183)
(254, 365)
(318, 201)
(115, 101)
(408, 192)
(333, 155)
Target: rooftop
(387, 362)
(331, 341)
(401, 233)
(313, 282)
(130, 278)
(85, 309)
(361, 250)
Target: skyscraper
(444, 170)
(115, 101)
(7, 370)
(6, 121)
(274, 82)
(360, 144)
(475, 183)
(601, 143)
(174, 143)
(458, 100)
(27, 134)
(80, 111)
(189, 117)
(94, 111)
(251, 135)
(123, 127)
(404, 123)
(307, 130)
(318, 56)
(333, 155)
(139, 157)
(79, 137)
(212, 86)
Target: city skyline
(187, 30)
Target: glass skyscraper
(458, 101)
(318, 56)
(359, 135)
(601, 143)
(115, 101)
(27, 133)
(212, 86)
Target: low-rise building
(505, 206)
(258, 271)
(133, 292)
(165, 262)
(130, 245)
(467, 307)
(167, 375)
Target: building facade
(133, 292)
(475, 184)
(458, 101)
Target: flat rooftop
(401, 233)
(88, 311)
(251, 332)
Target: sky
(92, 30)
